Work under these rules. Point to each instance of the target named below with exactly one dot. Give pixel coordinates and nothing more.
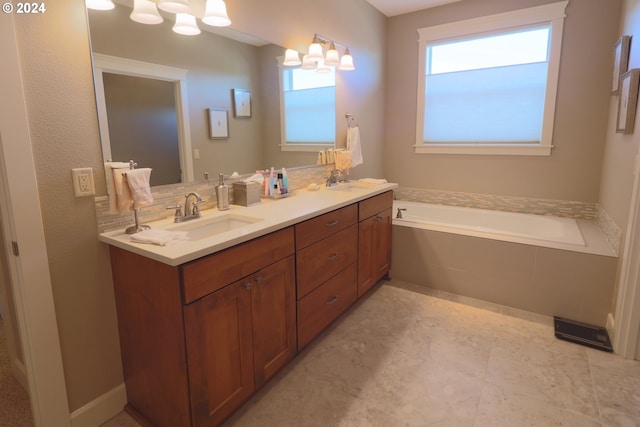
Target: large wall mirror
(155, 88)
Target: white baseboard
(100, 410)
(611, 328)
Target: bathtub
(540, 264)
(547, 231)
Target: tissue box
(246, 193)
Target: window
(309, 109)
(488, 85)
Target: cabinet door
(382, 237)
(366, 232)
(219, 353)
(273, 304)
(374, 249)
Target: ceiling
(398, 7)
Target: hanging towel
(121, 190)
(108, 176)
(138, 180)
(344, 160)
(353, 144)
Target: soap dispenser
(222, 194)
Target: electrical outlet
(83, 182)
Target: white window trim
(553, 14)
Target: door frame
(627, 314)
(28, 266)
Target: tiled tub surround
(168, 195)
(543, 280)
(561, 208)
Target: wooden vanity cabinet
(374, 240)
(198, 339)
(237, 338)
(326, 269)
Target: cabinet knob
(247, 285)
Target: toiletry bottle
(222, 194)
(276, 191)
(281, 184)
(285, 180)
(272, 182)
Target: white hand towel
(344, 160)
(121, 190)
(138, 180)
(159, 237)
(372, 181)
(108, 176)
(353, 144)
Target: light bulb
(332, 58)
(308, 64)
(99, 4)
(315, 52)
(174, 6)
(346, 62)
(291, 58)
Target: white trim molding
(100, 410)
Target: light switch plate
(83, 182)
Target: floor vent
(582, 333)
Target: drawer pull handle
(333, 257)
(332, 300)
(247, 285)
(332, 223)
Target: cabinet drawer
(325, 304)
(375, 204)
(206, 275)
(318, 228)
(322, 260)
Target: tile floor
(405, 356)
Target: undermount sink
(349, 186)
(205, 227)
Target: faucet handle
(196, 209)
(178, 209)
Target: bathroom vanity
(206, 322)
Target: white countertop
(274, 215)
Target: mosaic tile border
(610, 229)
(168, 195)
(562, 208)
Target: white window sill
(484, 149)
(306, 147)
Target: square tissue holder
(246, 193)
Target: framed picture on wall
(241, 103)
(218, 123)
(628, 101)
(620, 62)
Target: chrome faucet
(336, 176)
(399, 214)
(191, 209)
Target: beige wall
(620, 150)
(55, 61)
(572, 172)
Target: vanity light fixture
(216, 14)
(174, 6)
(99, 4)
(331, 58)
(291, 58)
(186, 25)
(145, 12)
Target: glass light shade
(346, 62)
(315, 52)
(186, 25)
(145, 12)
(291, 58)
(174, 6)
(99, 4)
(332, 58)
(216, 14)
(308, 64)
(322, 68)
